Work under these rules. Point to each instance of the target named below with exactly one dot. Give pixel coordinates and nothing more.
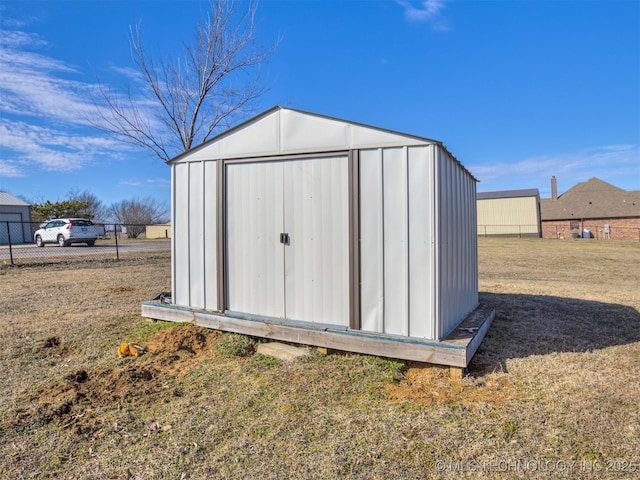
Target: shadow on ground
(527, 325)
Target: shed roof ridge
(275, 108)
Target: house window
(574, 225)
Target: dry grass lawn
(553, 391)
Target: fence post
(10, 246)
(115, 233)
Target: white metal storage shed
(306, 228)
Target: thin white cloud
(44, 111)
(32, 85)
(127, 72)
(8, 169)
(52, 149)
(617, 164)
(19, 39)
(38, 87)
(150, 182)
(425, 11)
(159, 182)
(7, 21)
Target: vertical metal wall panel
(420, 242)
(457, 252)
(434, 267)
(472, 252)
(396, 240)
(340, 235)
(444, 235)
(196, 234)
(371, 241)
(210, 184)
(446, 243)
(254, 224)
(180, 294)
(316, 259)
(173, 236)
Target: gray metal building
(302, 227)
(15, 218)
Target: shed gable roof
(592, 199)
(7, 199)
(282, 130)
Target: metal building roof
(7, 199)
(529, 192)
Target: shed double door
(288, 239)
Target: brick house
(602, 209)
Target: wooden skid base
(455, 351)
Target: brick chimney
(554, 188)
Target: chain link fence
(18, 245)
(518, 231)
(592, 231)
(562, 230)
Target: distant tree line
(134, 214)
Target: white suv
(65, 231)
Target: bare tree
(186, 100)
(135, 214)
(95, 208)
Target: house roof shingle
(592, 199)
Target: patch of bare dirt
(189, 338)
(433, 386)
(170, 353)
(53, 347)
(177, 350)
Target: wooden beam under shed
(455, 351)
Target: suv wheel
(61, 241)
(91, 243)
(39, 241)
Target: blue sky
(517, 90)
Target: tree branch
(182, 102)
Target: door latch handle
(284, 238)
